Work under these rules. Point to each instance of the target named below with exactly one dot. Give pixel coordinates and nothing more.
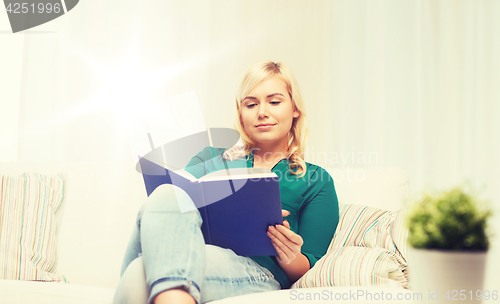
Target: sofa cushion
(368, 249)
(385, 188)
(23, 292)
(354, 222)
(355, 266)
(371, 227)
(31, 212)
(319, 295)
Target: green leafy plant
(452, 220)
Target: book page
(184, 174)
(238, 173)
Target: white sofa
(99, 215)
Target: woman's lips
(265, 126)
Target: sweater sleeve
(202, 163)
(318, 220)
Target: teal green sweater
(311, 200)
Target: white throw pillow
(368, 249)
(31, 212)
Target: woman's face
(267, 114)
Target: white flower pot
(447, 276)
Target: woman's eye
(251, 105)
(275, 102)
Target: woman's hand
(286, 242)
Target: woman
(167, 261)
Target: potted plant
(448, 240)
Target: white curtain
(412, 84)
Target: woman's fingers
(286, 233)
(284, 252)
(278, 238)
(285, 213)
(282, 256)
(286, 242)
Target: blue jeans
(167, 251)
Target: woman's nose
(263, 111)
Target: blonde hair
(298, 132)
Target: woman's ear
(296, 114)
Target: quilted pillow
(31, 213)
(354, 266)
(354, 222)
(368, 249)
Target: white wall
(10, 61)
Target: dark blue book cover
(237, 206)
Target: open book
(237, 205)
